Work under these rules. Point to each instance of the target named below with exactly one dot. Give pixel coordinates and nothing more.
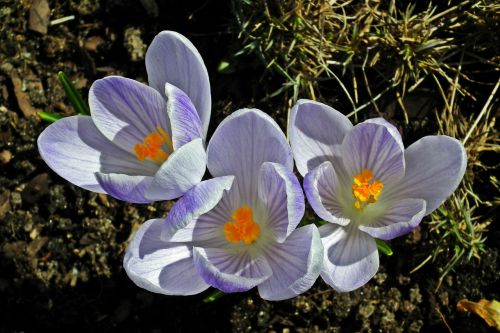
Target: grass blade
(384, 247)
(48, 116)
(213, 296)
(74, 96)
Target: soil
(61, 247)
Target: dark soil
(61, 247)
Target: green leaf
(213, 296)
(48, 116)
(384, 247)
(74, 96)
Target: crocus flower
(363, 182)
(237, 230)
(141, 143)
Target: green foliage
(73, 95)
(215, 295)
(48, 116)
(74, 98)
(384, 248)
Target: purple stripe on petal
(435, 166)
(390, 127)
(124, 187)
(230, 271)
(208, 229)
(315, 131)
(351, 257)
(323, 192)
(186, 124)
(199, 200)
(161, 267)
(75, 149)
(172, 58)
(127, 111)
(242, 142)
(282, 195)
(372, 146)
(296, 264)
(179, 173)
(399, 218)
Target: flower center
(243, 227)
(365, 189)
(153, 147)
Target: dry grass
(460, 226)
(369, 47)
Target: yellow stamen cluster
(153, 146)
(365, 190)
(243, 227)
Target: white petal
(75, 149)
(185, 121)
(374, 147)
(351, 257)
(126, 111)
(282, 195)
(390, 127)
(435, 167)
(230, 271)
(296, 264)
(242, 143)
(172, 58)
(186, 218)
(179, 173)
(399, 218)
(161, 267)
(124, 187)
(323, 192)
(315, 131)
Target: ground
(61, 247)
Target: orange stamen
(243, 228)
(152, 147)
(364, 191)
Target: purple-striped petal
(322, 189)
(161, 267)
(127, 111)
(400, 217)
(350, 259)
(200, 199)
(374, 147)
(208, 228)
(242, 143)
(230, 271)
(75, 149)
(390, 127)
(172, 58)
(282, 195)
(186, 124)
(125, 187)
(435, 165)
(315, 131)
(179, 173)
(296, 264)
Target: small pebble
(5, 156)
